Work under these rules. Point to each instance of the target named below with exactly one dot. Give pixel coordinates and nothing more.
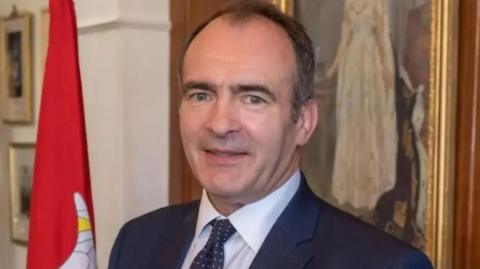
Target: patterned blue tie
(212, 254)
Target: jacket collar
(172, 255)
(287, 244)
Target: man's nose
(223, 118)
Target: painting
(15, 69)
(384, 85)
(21, 161)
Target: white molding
(123, 23)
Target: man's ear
(306, 122)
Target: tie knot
(222, 231)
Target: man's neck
(228, 205)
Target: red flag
(61, 218)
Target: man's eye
(254, 100)
(199, 96)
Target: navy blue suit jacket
(308, 234)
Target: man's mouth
(224, 153)
(224, 156)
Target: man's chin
(224, 191)
(221, 179)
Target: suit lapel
(288, 244)
(171, 251)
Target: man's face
(235, 113)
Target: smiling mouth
(224, 156)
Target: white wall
(124, 60)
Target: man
(247, 109)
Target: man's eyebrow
(199, 85)
(254, 88)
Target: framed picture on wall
(21, 160)
(384, 85)
(44, 31)
(16, 68)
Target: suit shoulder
(163, 217)
(143, 238)
(348, 235)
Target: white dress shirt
(252, 223)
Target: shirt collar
(206, 213)
(252, 221)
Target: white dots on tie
(212, 254)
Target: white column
(124, 52)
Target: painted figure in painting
(367, 137)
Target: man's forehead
(253, 27)
(254, 50)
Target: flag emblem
(83, 256)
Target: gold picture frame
(44, 34)
(437, 132)
(16, 68)
(287, 6)
(21, 163)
